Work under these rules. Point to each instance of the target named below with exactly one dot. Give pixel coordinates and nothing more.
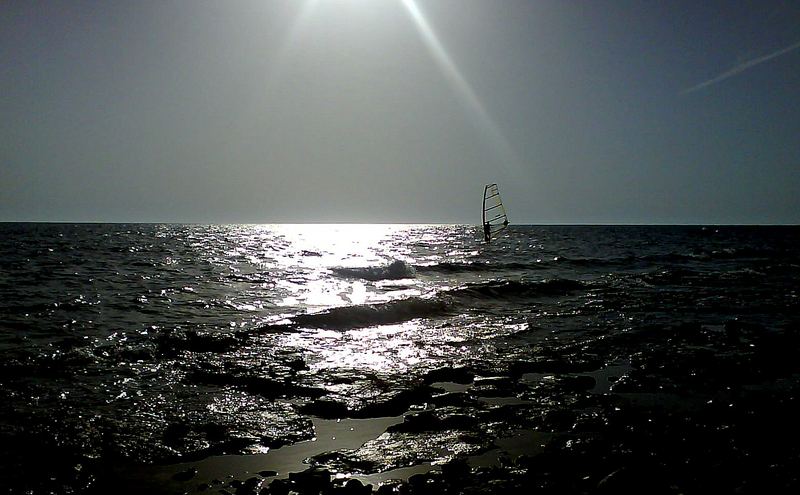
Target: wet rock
(175, 433)
(456, 471)
(312, 480)
(417, 482)
(251, 486)
(397, 403)
(193, 341)
(634, 479)
(495, 386)
(297, 365)
(270, 388)
(264, 386)
(460, 375)
(417, 423)
(578, 383)
(326, 409)
(495, 381)
(555, 366)
(588, 422)
(267, 473)
(559, 420)
(355, 487)
(459, 421)
(434, 421)
(279, 487)
(386, 489)
(424, 484)
(452, 399)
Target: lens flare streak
(457, 79)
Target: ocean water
(135, 344)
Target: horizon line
(543, 224)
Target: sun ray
(301, 18)
(451, 71)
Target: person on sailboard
(487, 232)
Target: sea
(187, 356)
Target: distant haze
(271, 111)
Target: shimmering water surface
(136, 344)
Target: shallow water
(138, 344)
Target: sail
(494, 217)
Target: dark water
(123, 345)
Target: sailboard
(494, 218)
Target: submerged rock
(185, 475)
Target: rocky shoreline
(694, 409)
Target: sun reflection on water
(344, 244)
(387, 348)
(316, 249)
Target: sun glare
(451, 71)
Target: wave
(461, 267)
(365, 315)
(553, 262)
(715, 254)
(443, 303)
(395, 270)
(505, 289)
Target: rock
(456, 471)
(398, 402)
(326, 409)
(417, 423)
(297, 365)
(451, 399)
(495, 386)
(418, 483)
(355, 487)
(459, 422)
(559, 420)
(386, 490)
(554, 366)
(312, 480)
(460, 375)
(480, 381)
(279, 487)
(250, 487)
(267, 473)
(578, 383)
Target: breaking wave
(466, 267)
(444, 303)
(365, 315)
(395, 270)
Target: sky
(286, 111)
